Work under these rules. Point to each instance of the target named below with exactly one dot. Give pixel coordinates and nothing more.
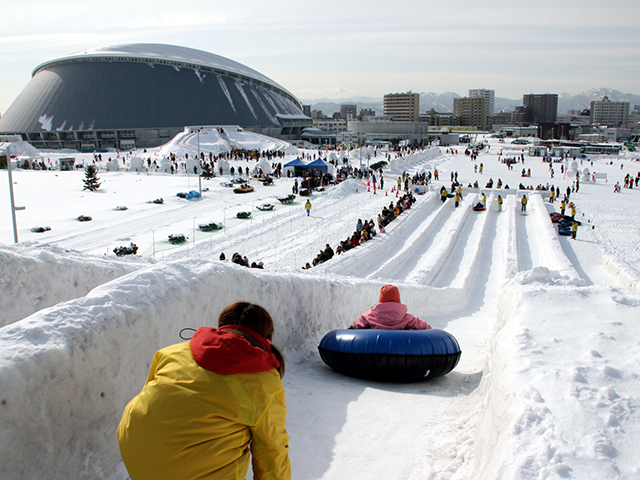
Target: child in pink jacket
(390, 314)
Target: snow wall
(34, 276)
(67, 372)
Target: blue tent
(296, 166)
(318, 164)
(295, 163)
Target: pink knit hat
(389, 293)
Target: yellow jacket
(190, 422)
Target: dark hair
(256, 318)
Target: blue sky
(339, 49)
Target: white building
(606, 112)
(332, 125)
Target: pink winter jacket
(390, 316)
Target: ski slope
(516, 296)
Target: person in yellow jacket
(210, 404)
(443, 194)
(574, 229)
(500, 203)
(524, 203)
(307, 207)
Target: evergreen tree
(91, 182)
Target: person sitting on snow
(390, 314)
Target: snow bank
(564, 405)
(402, 164)
(622, 273)
(67, 372)
(34, 276)
(442, 248)
(547, 235)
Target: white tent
(112, 166)
(136, 164)
(165, 165)
(191, 163)
(224, 164)
(263, 166)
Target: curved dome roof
(167, 54)
(146, 86)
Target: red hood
(224, 352)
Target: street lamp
(13, 204)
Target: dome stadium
(141, 95)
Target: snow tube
(390, 355)
(243, 189)
(192, 194)
(478, 207)
(287, 200)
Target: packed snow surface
(548, 382)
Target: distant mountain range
(443, 102)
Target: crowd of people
(366, 230)
(240, 260)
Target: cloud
(364, 47)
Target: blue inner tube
(390, 355)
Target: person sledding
(389, 314)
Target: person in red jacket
(390, 314)
(211, 405)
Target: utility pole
(13, 204)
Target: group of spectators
(629, 180)
(539, 187)
(323, 256)
(35, 165)
(392, 212)
(365, 231)
(240, 260)
(498, 184)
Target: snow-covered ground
(547, 385)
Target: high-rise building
(471, 111)
(402, 107)
(606, 112)
(490, 95)
(541, 108)
(348, 111)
